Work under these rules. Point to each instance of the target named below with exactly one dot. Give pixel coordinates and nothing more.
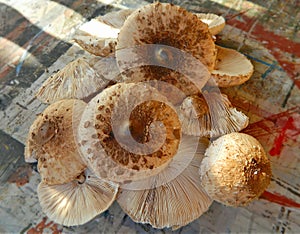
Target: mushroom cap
(78, 201)
(210, 115)
(167, 26)
(97, 46)
(215, 23)
(236, 169)
(78, 79)
(176, 202)
(128, 132)
(51, 141)
(232, 68)
(115, 19)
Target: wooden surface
(268, 32)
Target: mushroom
(152, 33)
(51, 141)
(175, 196)
(78, 79)
(236, 169)
(78, 201)
(96, 46)
(128, 132)
(210, 114)
(115, 19)
(215, 23)
(232, 68)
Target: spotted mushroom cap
(210, 115)
(128, 132)
(167, 26)
(176, 202)
(78, 201)
(51, 141)
(215, 23)
(232, 68)
(78, 79)
(236, 169)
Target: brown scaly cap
(219, 118)
(78, 79)
(169, 25)
(215, 23)
(178, 201)
(51, 141)
(78, 201)
(236, 169)
(232, 68)
(118, 147)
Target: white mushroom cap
(78, 79)
(115, 19)
(170, 26)
(128, 132)
(177, 201)
(236, 169)
(232, 68)
(215, 23)
(210, 115)
(78, 201)
(51, 141)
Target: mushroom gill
(175, 196)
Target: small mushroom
(51, 141)
(78, 79)
(164, 27)
(232, 68)
(236, 169)
(175, 196)
(128, 132)
(210, 115)
(115, 19)
(78, 201)
(215, 23)
(97, 46)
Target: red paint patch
(21, 176)
(279, 199)
(41, 226)
(275, 43)
(278, 143)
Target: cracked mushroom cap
(78, 201)
(236, 169)
(128, 132)
(52, 143)
(179, 200)
(210, 115)
(215, 23)
(167, 26)
(78, 79)
(232, 68)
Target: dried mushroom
(77, 201)
(232, 68)
(78, 79)
(215, 23)
(115, 19)
(210, 115)
(51, 141)
(236, 169)
(164, 27)
(175, 196)
(128, 131)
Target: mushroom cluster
(132, 122)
